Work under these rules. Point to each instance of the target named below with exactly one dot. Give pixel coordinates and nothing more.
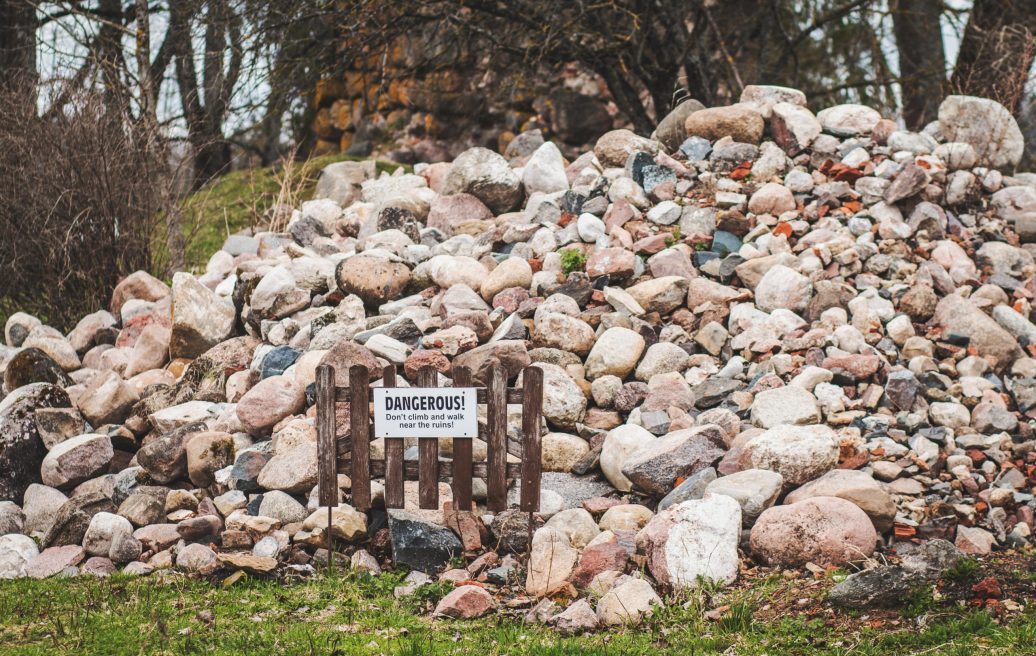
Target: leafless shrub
(80, 197)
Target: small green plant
(918, 601)
(572, 260)
(963, 571)
(701, 246)
(738, 619)
(673, 237)
(430, 593)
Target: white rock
(621, 443)
(545, 171)
(628, 602)
(16, 552)
(798, 453)
(783, 287)
(104, 528)
(984, 124)
(790, 404)
(589, 227)
(616, 353)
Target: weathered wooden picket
(349, 452)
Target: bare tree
(922, 63)
(997, 51)
(18, 27)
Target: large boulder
(960, 316)
(31, 365)
(852, 485)
(551, 562)
(755, 490)
(419, 544)
(627, 602)
(16, 552)
(655, 467)
(512, 355)
(784, 405)
(741, 122)
(692, 541)
(139, 285)
(107, 399)
(545, 171)
(615, 353)
(165, 457)
(376, 280)
(563, 401)
(21, 449)
(268, 402)
(340, 181)
(987, 126)
(200, 318)
(826, 531)
(487, 176)
(76, 460)
(207, 453)
(798, 453)
(672, 129)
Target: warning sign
(425, 412)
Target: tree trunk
(997, 51)
(212, 155)
(17, 43)
(922, 64)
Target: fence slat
(532, 465)
(462, 452)
(496, 438)
(359, 417)
(411, 469)
(327, 464)
(393, 455)
(428, 454)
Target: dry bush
(80, 194)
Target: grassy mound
(240, 199)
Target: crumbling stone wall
(390, 105)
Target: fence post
(327, 450)
(359, 420)
(428, 454)
(394, 497)
(462, 470)
(496, 438)
(532, 464)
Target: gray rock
(755, 490)
(693, 487)
(421, 545)
(12, 519)
(655, 467)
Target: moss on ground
(357, 614)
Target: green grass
(239, 199)
(359, 615)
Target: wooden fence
(336, 452)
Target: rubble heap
(768, 337)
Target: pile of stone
(768, 337)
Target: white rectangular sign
(425, 412)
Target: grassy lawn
(358, 615)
